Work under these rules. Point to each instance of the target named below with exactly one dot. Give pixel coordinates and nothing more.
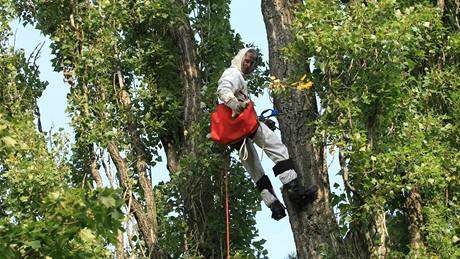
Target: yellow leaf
(305, 86)
(303, 77)
(104, 3)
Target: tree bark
(190, 74)
(196, 191)
(378, 235)
(315, 229)
(414, 214)
(140, 153)
(146, 224)
(94, 167)
(119, 249)
(368, 240)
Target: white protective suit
(233, 84)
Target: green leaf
(34, 244)
(455, 239)
(87, 235)
(108, 202)
(9, 141)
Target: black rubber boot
(278, 210)
(300, 195)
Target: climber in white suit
(233, 91)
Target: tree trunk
(139, 150)
(368, 239)
(191, 85)
(414, 214)
(196, 191)
(378, 235)
(146, 224)
(315, 229)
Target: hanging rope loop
(243, 152)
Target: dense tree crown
(386, 74)
(382, 93)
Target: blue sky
(247, 20)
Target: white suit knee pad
(266, 190)
(285, 170)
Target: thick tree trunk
(355, 243)
(368, 239)
(196, 191)
(414, 214)
(315, 229)
(191, 85)
(378, 235)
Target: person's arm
(228, 85)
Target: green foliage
(66, 223)
(211, 205)
(386, 75)
(40, 215)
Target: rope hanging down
(243, 152)
(226, 168)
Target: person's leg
(277, 152)
(284, 167)
(253, 166)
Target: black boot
(300, 195)
(278, 210)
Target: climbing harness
(243, 150)
(266, 119)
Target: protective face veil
(238, 60)
(232, 83)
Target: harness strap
(263, 183)
(283, 166)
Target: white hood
(238, 59)
(232, 83)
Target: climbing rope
(226, 166)
(243, 152)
